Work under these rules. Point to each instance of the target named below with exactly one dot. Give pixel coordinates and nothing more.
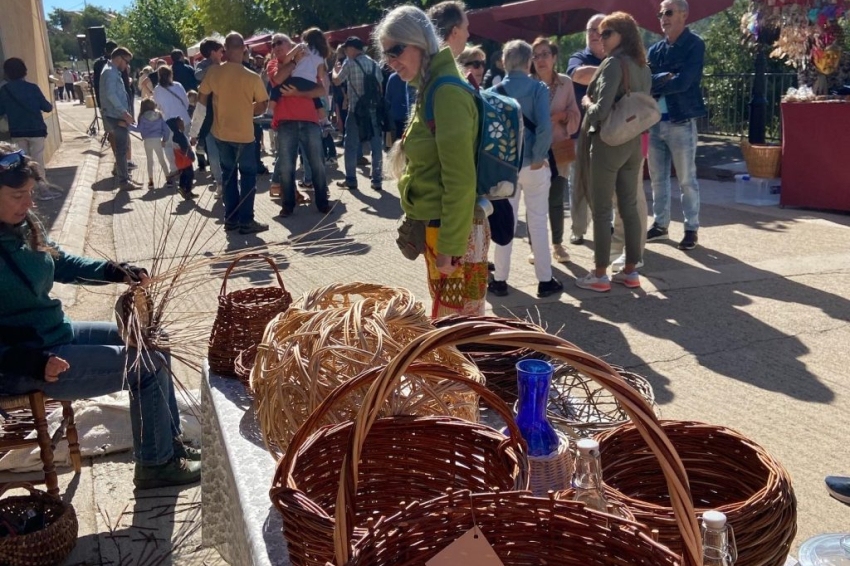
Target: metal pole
(758, 103)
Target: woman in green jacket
(435, 164)
(40, 349)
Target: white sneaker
(218, 190)
(593, 283)
(630, 280)
(619, 263)
(531, 258)
(560, 254)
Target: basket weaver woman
(436, 165)
(41, 349)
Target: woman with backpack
(435, 164)
(610, 170)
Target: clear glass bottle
(718, 540)
(587, 478)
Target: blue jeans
(308, 135)
(353, 148)
(238, 196)
(101, 364)
(213, 158)
(676, 143)
(308, 171)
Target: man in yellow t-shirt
(239, 96)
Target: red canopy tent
(532, 18)
(259, 44)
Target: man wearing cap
(354, 70)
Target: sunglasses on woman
(395, 51)
(607, 33)
(476, 64)
(12, 160)
(666, 14)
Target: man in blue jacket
(184, 73)
(676, 63)
(117, 114)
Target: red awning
(259, 44)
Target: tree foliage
(151, 28)
(223, 16)
(63, 26)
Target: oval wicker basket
(523, 530)
(727, 472)
(407, 458)
(333, 334)
(764, 161)
(242, 317)
(497, 363)
(557, 349)
(46, 547)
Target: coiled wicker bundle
(522, 530)
(407, 458)
(333, 334)
(497, 363)
(557, 349)
(727, 472)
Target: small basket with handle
(242, 317)
(51, 543)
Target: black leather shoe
(576, 240)
(498, 288)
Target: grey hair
(470, 52)
(599, 17)
(283, 36)
(682, 5)
(516, 55)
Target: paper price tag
(471, 549)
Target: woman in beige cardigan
(566, 119)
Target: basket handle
(556, 348)
(22, 485)
(283, 475)
(232, 266)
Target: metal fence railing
(727, 97)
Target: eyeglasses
(12, 161)
(607, 33)
(475, 64)
(278, 43)
(666, 14)
(395, 51)
(592, 30)
(542, 55)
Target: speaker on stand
(87, 52)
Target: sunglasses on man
(11, 161)
(666, 14)
(475, 64)
(394, 52)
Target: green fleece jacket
(439, 181)
(30, 320)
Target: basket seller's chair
(20, 415)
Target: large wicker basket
(242, 317)
(406, 458)
(763, 161)
(673, 471)
(727, 472)
(46, 547)
(522, 530)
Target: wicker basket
(580, 407)
(46, 547)
(406, 458)
(552, 472)
(497, 363)
(727, 472)
(523, 530)
(242, 317)
(560, 350)
(245, 363)
(764, 161)
(333, 334)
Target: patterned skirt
(464, 291)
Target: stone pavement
(750, 330)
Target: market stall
(811, 36)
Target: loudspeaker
(83, 43)
(97, 41)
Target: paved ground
(750, 330)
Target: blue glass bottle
(534, 378)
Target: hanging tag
(471, 549)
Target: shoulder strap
(432, 90)
(626, 79)
(16, 269)
(526, 121)
(175, 95)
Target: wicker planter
(764, 161)
(726, 471)
(46, 547)
(403, 459)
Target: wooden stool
(23, 414)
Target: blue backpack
(498, 157)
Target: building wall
(23, 33)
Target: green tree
(223, 16)
(63, 26)
(150, 28)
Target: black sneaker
(362, 162)
(376, 187)
(253, 227)
(178, 471)
(285, 213)
(656, 233)
(576, 240)
(345, 185)
(549, 288)
(186, 193)
(498, 288)
(690, 240)
(324, 209)
(230, 226)
(839, 488)
(186, 452)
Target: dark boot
(178, 471)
